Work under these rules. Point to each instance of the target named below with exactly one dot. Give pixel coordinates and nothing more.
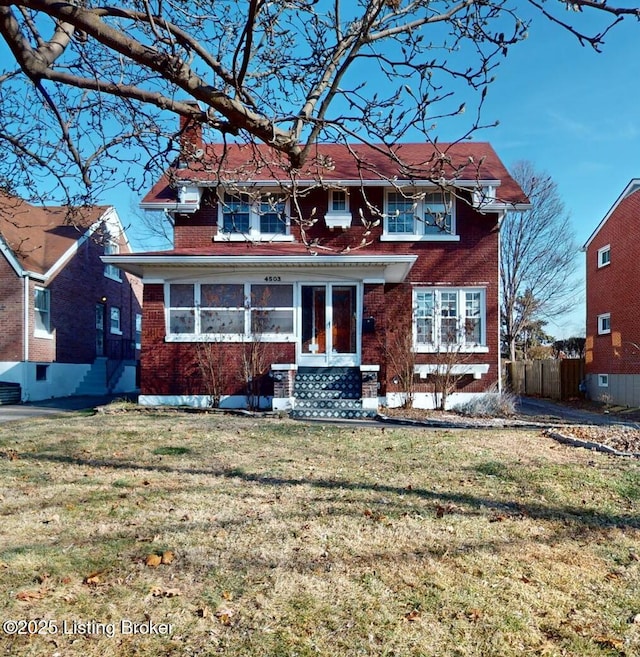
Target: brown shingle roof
(39, 236)
(238, 163)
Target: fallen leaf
(158, 592)
(94, 578)
(474, 614)
(412, 616)
(53, 518)
(225, 615)
(203, 612)
(167, 557)
(227, 595)
(609, 642)
(153, 560)
(28, 596)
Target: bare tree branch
(288, 73)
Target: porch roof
(392, 268)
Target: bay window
(449, 317)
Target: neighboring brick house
(307, 287)
(69, 324)
(612, 350)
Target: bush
(490, 404)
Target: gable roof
(36, 238)
(629, 200)
(464, 164)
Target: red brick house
(69, 323)
(304, 290)
(612, 350)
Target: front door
(100, 317)
(329, 323)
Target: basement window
(42, 372)
(603, 380)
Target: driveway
(545, 410)
(58, 406)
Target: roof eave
(395, 267)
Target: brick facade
(170, 368)
(11, 312)
(613, 289)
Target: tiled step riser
(329, 384)
(320, 414)
(329, 404)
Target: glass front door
(329, 325)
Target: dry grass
(288, 539)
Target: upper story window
(111, 247)
(243, 216)
(230, 311)
(42, 310)
(604, 256)
(604, 324)
(338, 201)
(419, 215)
(446, 318)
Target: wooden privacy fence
(556, 379)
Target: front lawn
(160, 533)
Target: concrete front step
(332, 414)
(329, 392)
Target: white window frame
(111, 247)
(255, 200)
(115, 321)
(604, 324)
(460, 344)
(420, 206)
(604, 256)
(332, 196)
(603, 380)
(42, 312)
(138, 331)
(247, 334)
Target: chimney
(190, 137)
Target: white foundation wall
(428, 401)
(62, 379)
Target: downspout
(501, 216)
(25, 337)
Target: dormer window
(413, 215)
(338, 215)
(338, 201)
(261, 216)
